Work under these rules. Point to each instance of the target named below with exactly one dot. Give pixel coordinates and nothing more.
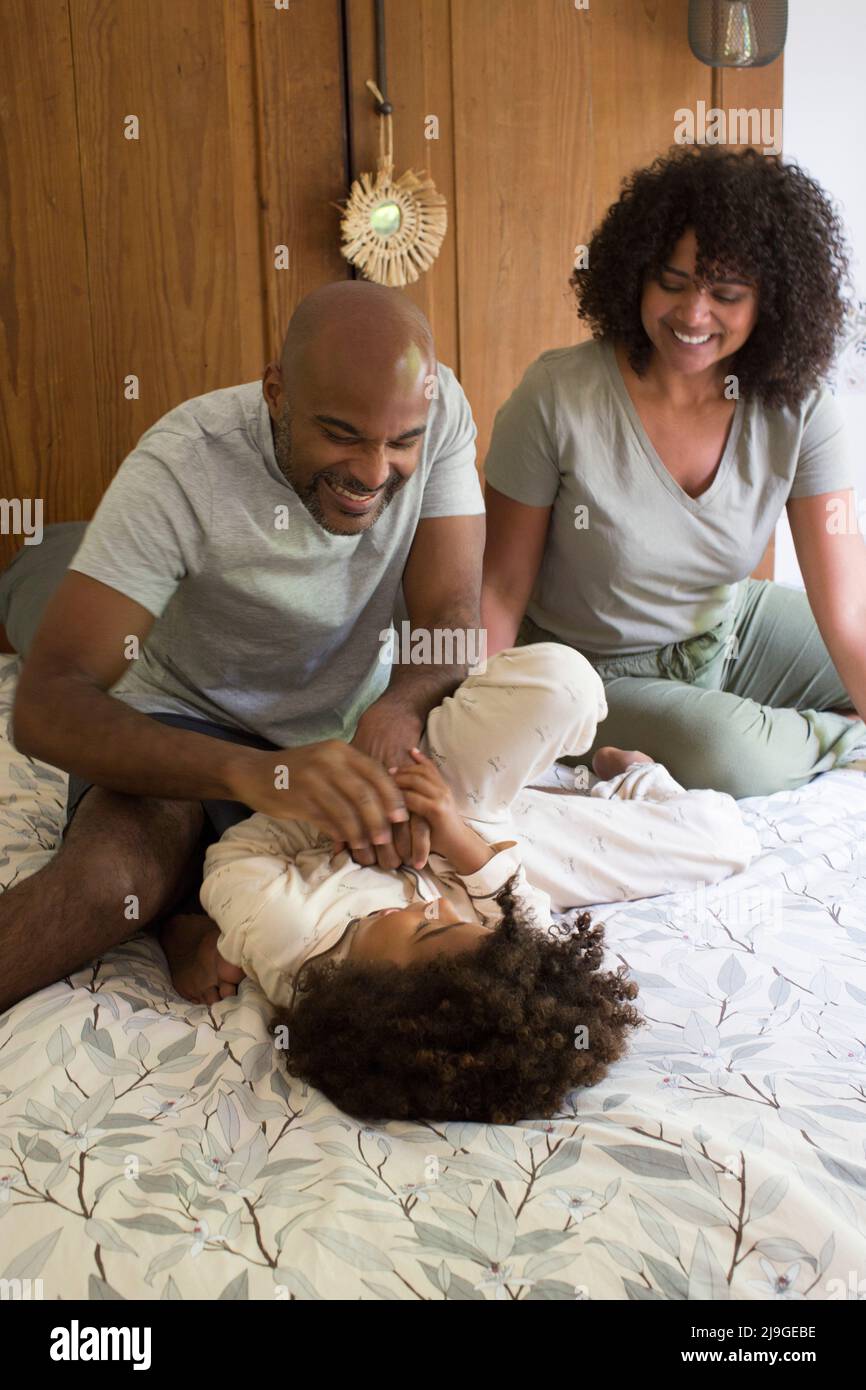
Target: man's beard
(308, 492)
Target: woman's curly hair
(489, 1034)
(753, 215)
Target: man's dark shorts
(219, 815)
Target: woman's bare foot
(609, 762)
(198, 971)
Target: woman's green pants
(747, 708)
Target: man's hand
(386, 732)
(335, 787)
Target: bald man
(215, 645)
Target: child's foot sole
(198, 971)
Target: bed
(153, 1149)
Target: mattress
(150, 1148)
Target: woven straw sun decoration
(392, 229)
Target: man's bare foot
(609, 762)
(198, 971)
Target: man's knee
(129, 857)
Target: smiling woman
(755, 219)
(715, 290)
(692, 325)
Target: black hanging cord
(384, 106)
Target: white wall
(824, 131)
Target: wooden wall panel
(643, 71)
(153, 257)
(48, 424)
(523, 172)
(418, 38)
(553, 107)
(303, 154)
(169, 216)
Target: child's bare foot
(198, 971)
(609, 762)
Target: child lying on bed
(448, 992)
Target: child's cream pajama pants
(635, 836)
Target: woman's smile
(691, 339)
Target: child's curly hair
(754, 215)
(489, 1034)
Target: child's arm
(428, 795)
(483, 868)
(254, 893)
(466, 852)
(505, 867)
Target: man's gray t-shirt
(266, 622)
(631, 561)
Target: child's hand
(427, 794)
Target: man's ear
(273, 388)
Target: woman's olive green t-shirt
(631, 561)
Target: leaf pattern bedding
(154, 1149)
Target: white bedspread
(150, 1148)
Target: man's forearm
(418, 689)
(418, 686)
(81, 729)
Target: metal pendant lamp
(737, 33)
